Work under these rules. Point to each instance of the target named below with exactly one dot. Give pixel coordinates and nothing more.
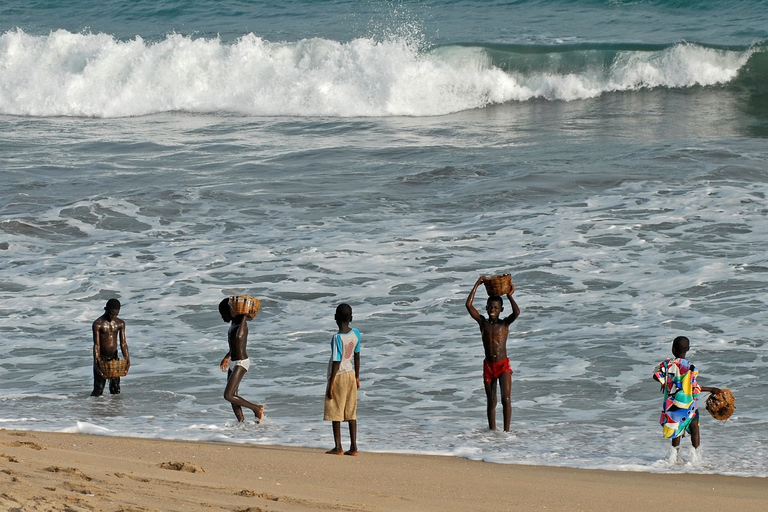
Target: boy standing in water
(679, 412)
(343, 381)
(107, 331)
(236, 362)
(496, 366)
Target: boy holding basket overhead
(494, 331)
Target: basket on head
(498, 285)
(244, 305)
(114, 368)
(721, 405)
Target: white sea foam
(96, 75)
(82, 427)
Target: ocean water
(610, 155)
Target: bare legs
(337, 449)
(695, 435)
(230, 395)
(505, 383)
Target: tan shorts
(343, 407)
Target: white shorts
(245, 363)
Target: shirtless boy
(496, 366)
(236, 362)
(107, 331)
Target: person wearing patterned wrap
(679, 411)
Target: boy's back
(679, 411)
(343, 348)
(343, 380)
(678, 380)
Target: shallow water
(627, 217)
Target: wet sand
(76, 472)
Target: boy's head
(343, 314)
(494, 306)
(680, 346)
(224, 311)
(112, 308)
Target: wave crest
(97, 75)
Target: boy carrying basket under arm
(679, 411)
(108, 330)
(343, 381)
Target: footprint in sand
(262, 495)
(26, 444)
(181, 466)
(69, 471)
(77, 488)
(136, 478)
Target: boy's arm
(97, 348)
(471, 298)
(124, 346)
(224, 364)
(241, 336)
(660, 375)
(515, 309)
(329, 386)
(357, 369)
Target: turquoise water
(610, 155)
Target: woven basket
(244, 305)
(498, 285)
(721, 405)
(114, 368)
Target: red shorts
(492, 371)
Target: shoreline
(62, 471)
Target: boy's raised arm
(241, 336)
(471, 298)
(515, 309)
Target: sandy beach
(42, 471)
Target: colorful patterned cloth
(678, 381)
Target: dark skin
(494, 331)
(237, 337)
(108, 330)
(679, 349)
(337, 449)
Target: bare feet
(259, 412)
(336, 451)
(353, 453)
